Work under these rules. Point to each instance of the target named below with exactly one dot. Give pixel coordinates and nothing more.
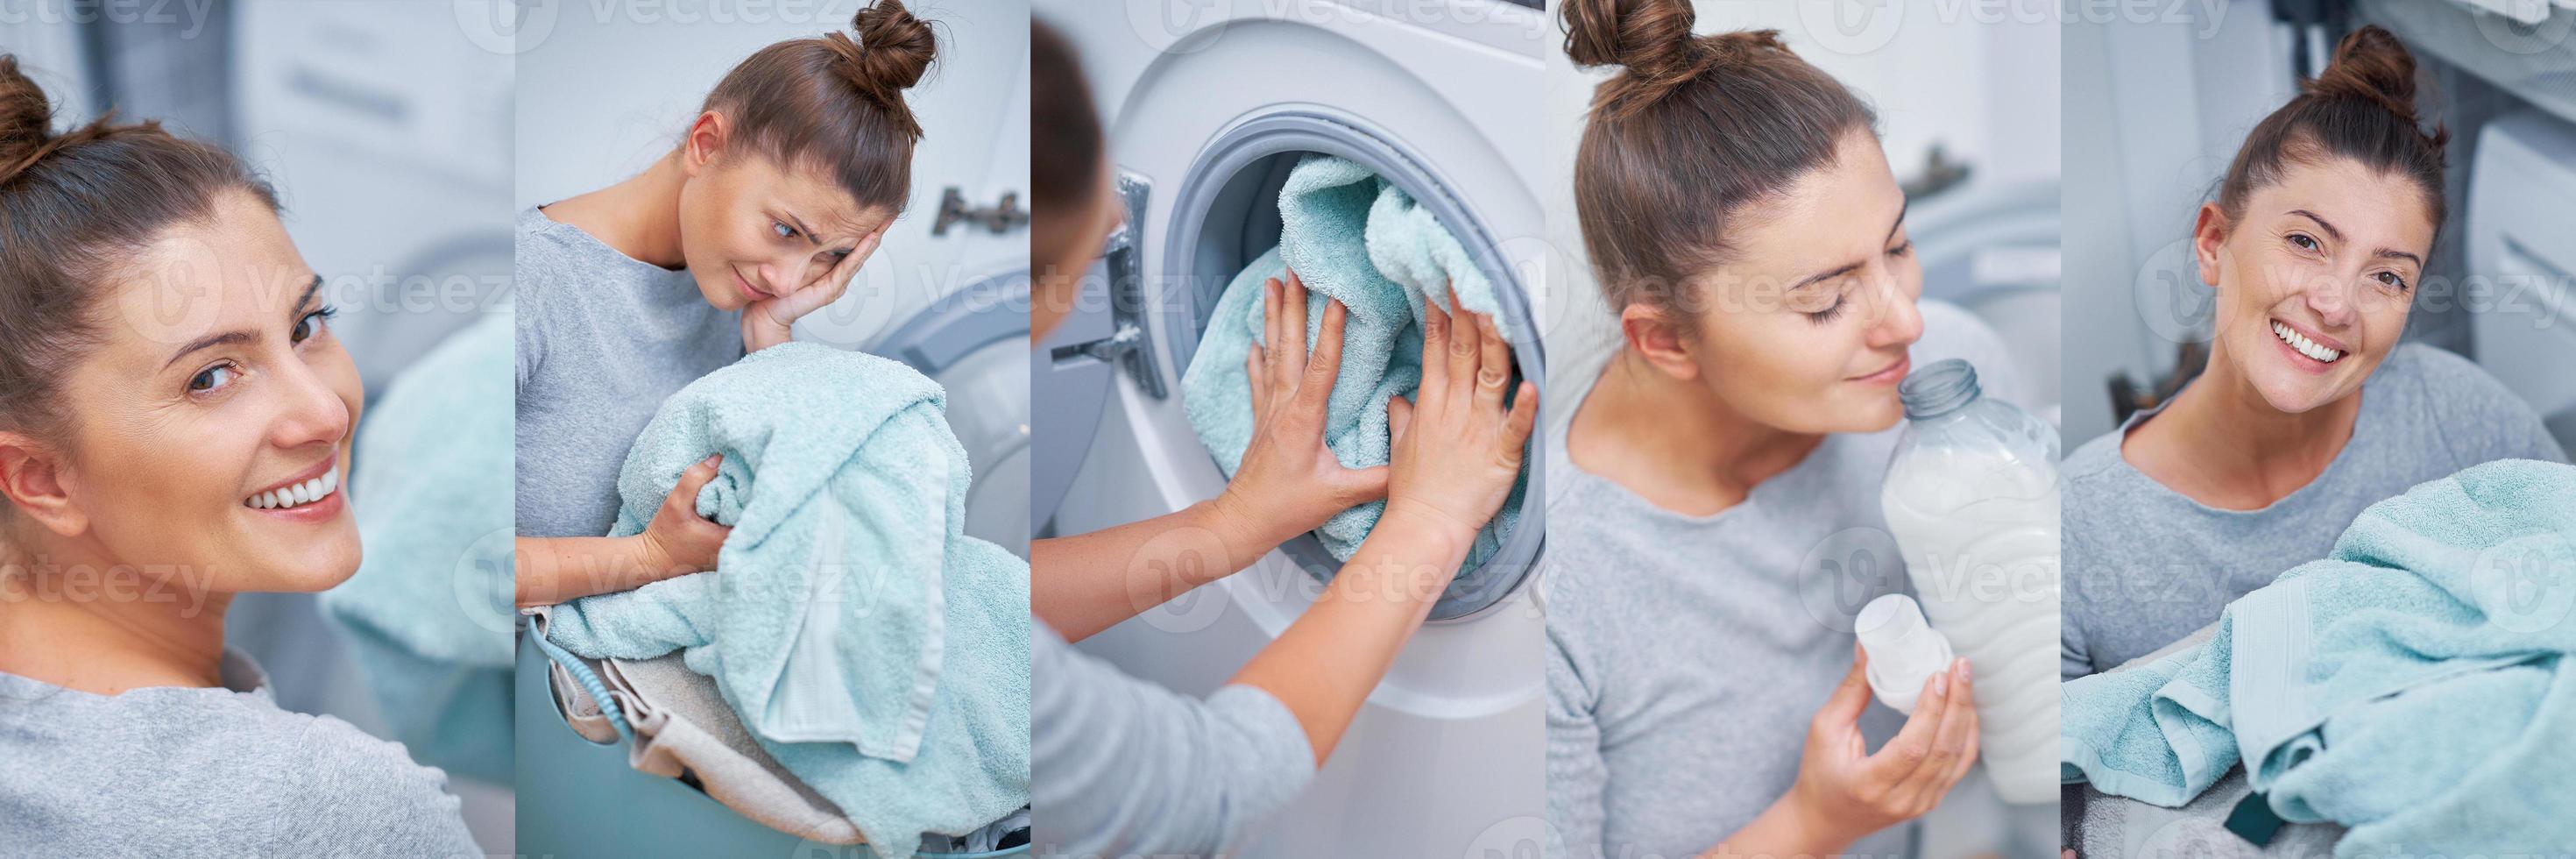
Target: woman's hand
(678, 540)
(1456, 450)
(1843, 794)
(767, 322)
(1289, 482)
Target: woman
(779, 190)
(1123, 767)
(175, 419)
(2310, 408)
(1744, 226)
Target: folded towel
(2414, 685)
(873, 649)
(1351, 236)
(429, 608)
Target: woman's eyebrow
(1849, 267)
(244, 336)
(2331, 232)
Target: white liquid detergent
(1972, 498)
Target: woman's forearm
(551, 570)
(1090, 582)
(1324, 665)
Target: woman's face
(752, 229)
(2315, 280)
(218, 382)
(1075, 238)
(1806, 329)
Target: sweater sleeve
(1576, 774)
(1121, 766)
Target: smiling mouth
(1895, 370)
(747, 289)
(2304, 346)
(299, 493)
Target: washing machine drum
(1226, 215)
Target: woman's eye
(311, 324)
(2303, 241)
(2392, 279)
(1835, 309)
(782, 230)
(1901, 249)
(212, 377)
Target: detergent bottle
(1972, 499)
(1903, 650)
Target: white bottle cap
(1904, 650)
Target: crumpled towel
(2414, 685)
(429, 608)
(1352, 236)
(872, 648)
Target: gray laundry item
(683, 726)
(603, 339)
(2144, 565)
(2102, 826)
(1688, 654)
(174, 771)
(1122, 767)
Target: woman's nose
(313, 409)
(2331, 298)
(1897, 321)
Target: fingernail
(1963, 668)
(1940, 684)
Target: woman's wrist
(1794, 822)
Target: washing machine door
(1071, 372)
(973, 342)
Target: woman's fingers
(1901, 756)
(1325, 366)
(1435, 351)
(1399, 416)
(1843, 708)
(1258, 371)
(696, 477)
(1958, 725)
(1292, 325)
(1270, 299)
(1466, 336)
(1518, 425)
(1494, 366)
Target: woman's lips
(2302, 361)
(325, 476)
(1889, 375)
(748, 290)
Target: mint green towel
(872, 648)
(429, 608)
(2415, 685)
(1352, 236)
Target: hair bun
(892, 51)
(1652, 38)
(2371, 64)
(26, 120)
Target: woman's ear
(1654, 335)
(32, 480)
(2208, 235)
(706, 140)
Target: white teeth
(2303, 344)
(298, 494)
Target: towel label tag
(2253, 820)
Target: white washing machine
(1206, 107)
(2522, 240)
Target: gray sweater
(2144, 565)
(1687, 654)
(604, 338)
(173, 771)
(1119, 766)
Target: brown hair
(836, 102)
(2363, 108)
(1064, 173)
(1695, 129)
(71, 205)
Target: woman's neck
(2222, 444)
(1674, 443)
(75, 619)
(639, 217)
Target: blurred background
(1967, 101)
(385, 129)
(607, 89)
(2155, 110)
